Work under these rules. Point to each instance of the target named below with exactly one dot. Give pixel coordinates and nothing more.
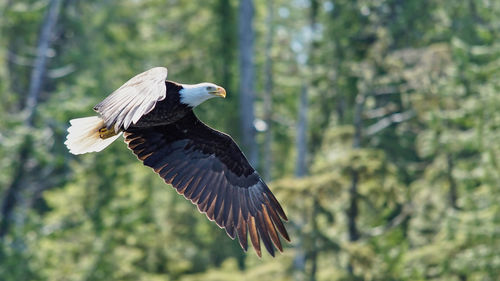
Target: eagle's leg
(105, 133)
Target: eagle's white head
(195, 94)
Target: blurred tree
(247, 91)
(18, 181)
(402, 138)
(267, 166)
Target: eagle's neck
(173, 87)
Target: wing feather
(242, 231)
(230, 228)
(271, 229)
(208, 168)
(254, 237)
(137, 97)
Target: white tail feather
(83, 135)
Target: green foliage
(426, 170)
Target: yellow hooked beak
(220, 92)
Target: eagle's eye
(209, 88)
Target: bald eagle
(204, 165)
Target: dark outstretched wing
(208, 168)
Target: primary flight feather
(204, 165)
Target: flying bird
(206, 166)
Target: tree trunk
(268, 106)
(313, 255)
(301, 168)
(352, 211)
(14, 191)
(247, 96)
(226, 31)
(39, 68)
(300, 259)
(301, 142)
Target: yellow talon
(104, 133)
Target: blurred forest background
(376, 123)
